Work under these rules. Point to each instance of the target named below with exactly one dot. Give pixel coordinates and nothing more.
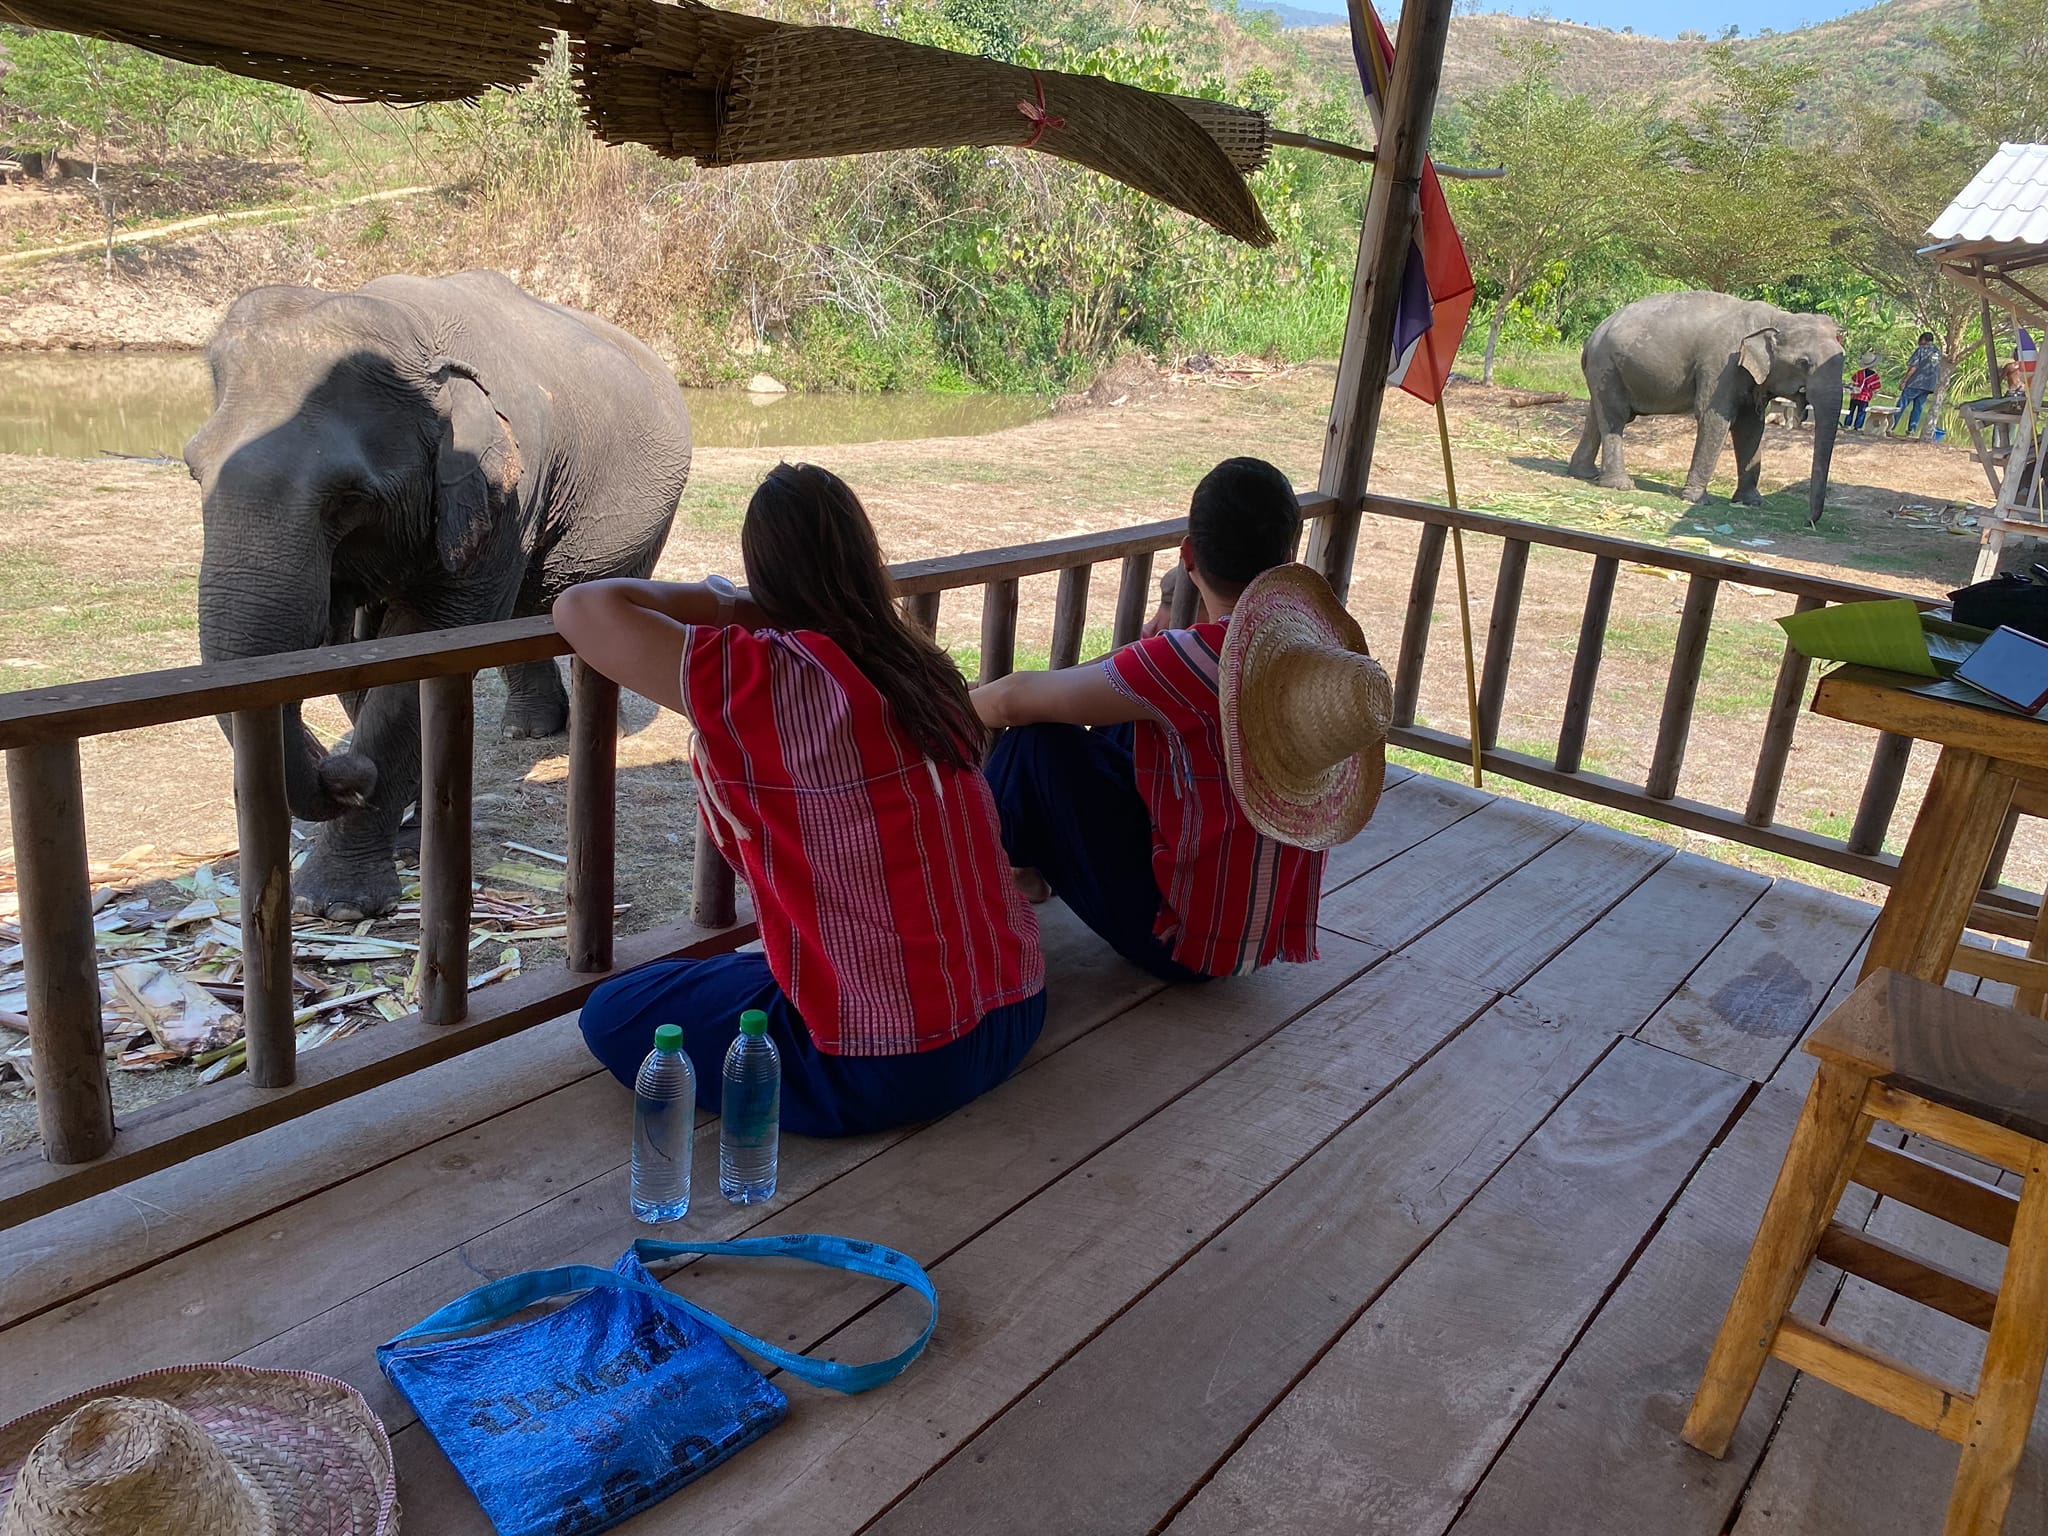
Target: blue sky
(1661, 18)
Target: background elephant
(418, 454)
(1721, 360)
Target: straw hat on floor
(201, 1450)
(1305, 711)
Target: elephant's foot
(345, 892)
(1617, 482)
(1746, 499)
(1693, 495)
(526, 719)
(1583, 469)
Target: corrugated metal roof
(2006, 201)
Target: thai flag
(1436, 290)
(2027, 355)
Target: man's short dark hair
(1243, 520)
(1926, 336)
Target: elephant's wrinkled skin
(1721, 360)
(418, 454)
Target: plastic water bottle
(664, 1126)
(750, 1114)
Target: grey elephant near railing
(418, 454)
(1720, 360)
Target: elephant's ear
(1757, 350)
(476, 465)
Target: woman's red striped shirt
(885, 903)
(1234, 898)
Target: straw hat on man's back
(203, 1450)
(1305, 711)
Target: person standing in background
(1923, 373)
(1864, 384)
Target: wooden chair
(1965, 1073)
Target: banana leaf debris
(170, 959)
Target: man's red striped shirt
(1234, 898)
(885, 903)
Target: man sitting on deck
(1186, 827)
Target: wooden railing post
(1132, 597)
(924, 612)
(998, 629)
(1187, 597)
(1070, 616)
(1500, 639)
(1994, 870)
(67, 1051)
(447, 760)
(1429, 561)
(1682, 687)
(1880, 792)
(1578, 699)
(713, 897)
(593, 815)
(1787, 699)
(263, 820)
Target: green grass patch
(1738, 673)
(712, 505)
(60, 628)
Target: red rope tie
(1036, 115)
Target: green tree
(1992, 78)
(1732, 206)
(1573, 185)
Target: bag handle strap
(503, 1298)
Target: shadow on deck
(1429, 1235)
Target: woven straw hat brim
(309, 1444)
(1288, 619)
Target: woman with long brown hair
(838, 764)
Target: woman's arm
(1075, 695)
(632, 631)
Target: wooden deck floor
(1428, 1236)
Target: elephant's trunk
(261, 601)
(1825, 396)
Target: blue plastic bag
(566, 1424)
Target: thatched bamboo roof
(719, 87)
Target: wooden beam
(1133, 597)
(1391, 210)
(1881, 786)
(1070, 616)
(923, 611)
(593, 815)
(1500, 638)
(1905, 1274)
(998, 629)
(1415, 625)
(1578, 699)
(1891, 1384)
(1695, 623)
(447, 756)
(714, 897)
(263, 820)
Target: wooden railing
(40, 733)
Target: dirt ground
(99, 561)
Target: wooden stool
(1970, 1075)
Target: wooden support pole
(1391, 210)
(924, 612)
(1578, 699)
(1881, 787)
(1187, 597)
(593, 815)
(1132, 596)
(74, 1108)
(263, 820)
(998, 629)
(1070, 616)
(447, 757)
(713, 895)
(1682, 687)
(1500, 638)
(1779, 724)
(1415, 625)
(1994, 872)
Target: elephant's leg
(1613, 471)
(350, 872)
(1585, 457)
(1706, 452)
(1748, 433)
(536, 703)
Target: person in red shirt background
(1864, 384)
(1114, 785)
(838, 763)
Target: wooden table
(1991, 764)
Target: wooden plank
(1541, 907)
(1905, 1274)
(591, 884)
(1955, 1197)
(1752, 999)
(1187, 598)
(1500, 637)
(1956, 1128)
(998, 629)
(447, 758)
(1133, 596)
(1396, 1423)
(714, 898)
(1418, 807)
(926, 1191)
(1919, 1399)
(1070, 616)
(1578, 698)
(923, 609)
(202, 1119)
(1415, 623)
(263, 823)
(74, 1107)
(1881, 788)
(1608, 1420)
(1681, 687)
(1788, 698)
(1863, 696)
(1410, 894)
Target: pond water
(82, 404)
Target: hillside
(1874, 54)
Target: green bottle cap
(753, 1022)
(669, 1038)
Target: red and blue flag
(1436, 289)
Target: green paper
(1885, 633)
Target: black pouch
(2018, 601)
